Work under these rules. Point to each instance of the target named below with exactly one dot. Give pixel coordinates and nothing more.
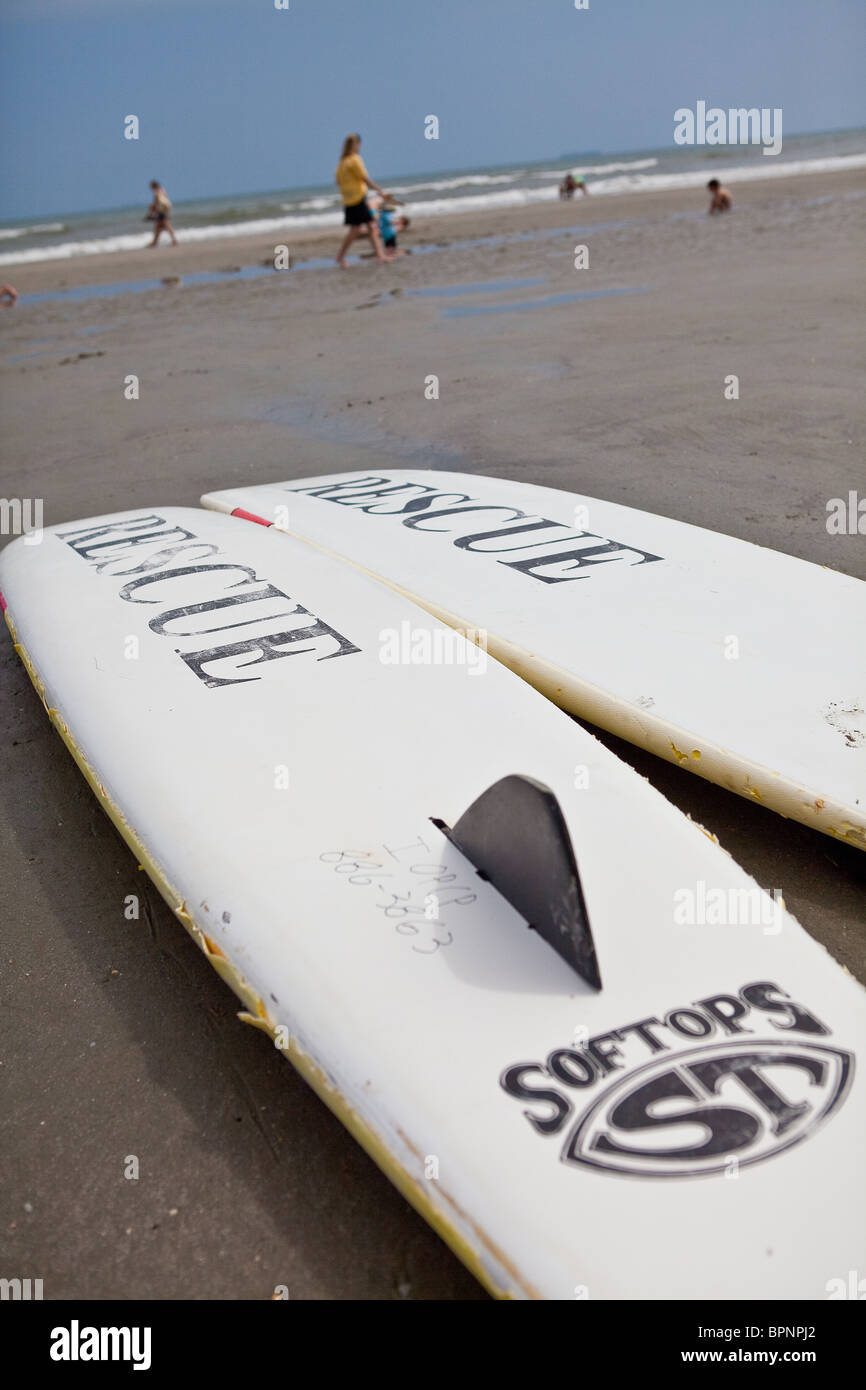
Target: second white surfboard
(738, 663)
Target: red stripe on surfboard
(251, 516)
(2, 602)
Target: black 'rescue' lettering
(264, 604)
(373, 495)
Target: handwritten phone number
(415, 914)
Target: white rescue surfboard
(738, 663)
(293, 752)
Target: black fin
(516, 836)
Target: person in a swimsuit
(720, 200)
(571, 185)
(159, 213)
(353, 182)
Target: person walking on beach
(159, 213)
(8, 296)
(353, 181)
(721, 199)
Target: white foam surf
(621, 178)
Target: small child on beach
(720, 200)
(389, 225)
(8, 296)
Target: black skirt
(358, 214)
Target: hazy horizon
(233, 94)
(393, 174)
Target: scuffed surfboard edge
(657, 736)
(499, 1284)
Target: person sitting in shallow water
(720, 200)
(571, 185)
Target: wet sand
(117, 1039)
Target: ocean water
(290, 212)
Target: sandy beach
(607, 380)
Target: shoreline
(228, 255)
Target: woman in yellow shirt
(353, 182)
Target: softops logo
(689, 1112)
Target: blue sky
(235, 96)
